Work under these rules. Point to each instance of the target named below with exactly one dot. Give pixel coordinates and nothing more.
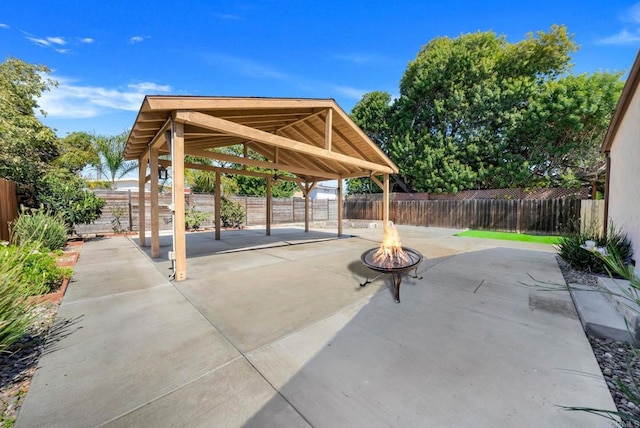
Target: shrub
(616, 242)
(194, 218)
(40, 226)
(116, 222)
(231, 214)
(39, 273)
(15, 315)
(65, 193)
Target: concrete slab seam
(242, 355)
(170, 392)
(122, 293)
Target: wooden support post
(142, 171)
(155, 209)
(268, 213)
(245, 154)
(339, 208)
(306, 206)
(217, 206)
(385, 198)
(177, 162)
(328, 128)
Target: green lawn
(509, 236)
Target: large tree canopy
(26, 144)
(479, 112)
(30, 151)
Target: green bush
(65, 193)
(194, 218)
(116, 222)
(232, 214)
(39, 273)
(15, 315)
(616, 242)
(40, 226)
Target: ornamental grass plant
(15, 315)
(571, 251)
(38, 225)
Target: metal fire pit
(397, 268)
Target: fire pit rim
(384, 269)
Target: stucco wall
(624, 190)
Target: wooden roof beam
(161, 102)
(263, 164)
(217, 124)
(167, 163)
(299, 120)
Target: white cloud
(624, 37)
(148, 87)
(632, 14)
(39, 42)
(4, 25)
(72, 101)
(350, 92)
(87, 40)
(137, 39)
(63, 51)
(355, 58)
(56, 40)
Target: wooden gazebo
(312, 139)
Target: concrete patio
(276, 331)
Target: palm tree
(112, 164)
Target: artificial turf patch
(509, 236)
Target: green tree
(257, 186)
(77, 150)
(566, 124)
(372, 114)
(111, 151)
(65, 193)
(26, 145)
(479, 112)
(460, 100)
(204, 181)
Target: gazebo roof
(291, 133)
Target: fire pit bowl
(396, 266)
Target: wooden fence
(8, 207)
(124, 205)
(549, 216)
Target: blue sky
(107, 55)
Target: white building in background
(321, 191)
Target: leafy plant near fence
(38, 225)
(116, 222)
(232, 214)
(65, 194)
(194, 218)
(571, 251)
(39, 273)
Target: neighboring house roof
(311, 138)
(628, 91)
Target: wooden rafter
(232, 128)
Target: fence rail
(284, 210)
(551, 216)
(548, 216)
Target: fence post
(130, 213)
